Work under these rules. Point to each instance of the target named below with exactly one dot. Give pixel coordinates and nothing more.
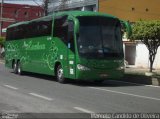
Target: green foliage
(149, 33)
(2, 40)
(144, 30)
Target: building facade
(61, 5)
(130, 10)
(13, 13)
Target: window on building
(40, 14)
(37, 14)
(147, 9)
(26, 14)
(16, 13)
(133, 9)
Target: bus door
(64, 40)
(71, 50)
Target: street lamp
(1, 15)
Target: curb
(141, 79)
(155, 81)
(1, 61)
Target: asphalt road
(42, 94)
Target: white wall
(142, 57)
(157, 60)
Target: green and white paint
(24, 53)
(52, 56)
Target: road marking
(41, 96)
(83, 110)
(135, 83)
(140, 96)
(8, 86)
(152, 86)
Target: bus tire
(19, 69)
(15, 70)
(60, 75)
(98, 81)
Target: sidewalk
(140, 76)
(141, 70)
(1, 60)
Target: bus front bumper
(97, 74)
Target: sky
(28, 2)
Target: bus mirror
(126, 28)
(76, 26)
(69, 45)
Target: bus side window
(61, 28)
(44, 28)
(38, 28)
(71, 35)
(9, 35)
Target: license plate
(103, 75)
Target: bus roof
(72, 13)
(83, 13)
(26, 22)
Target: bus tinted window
(33, 29)
(44, 28)
(19, 31)
(9, 34)
(61, 28)
(40, 28)
(100, 36)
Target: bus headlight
(120, 68)
(81, 67)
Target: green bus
(69, 45)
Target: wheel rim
(14, 67)
(19, 70)
(60, 73)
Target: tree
(149, 34)
(2, 40)
(46, 2)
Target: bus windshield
(99, 37)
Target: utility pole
(1, 18)
(46, 7)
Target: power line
(36, 2)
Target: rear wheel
(15, 67)
(19, 69)
(99, 81)
(60, 74)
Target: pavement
(1, 59)
(137, 70)
(142, 76)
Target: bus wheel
(99, 81)
(15, 67)
(60, 75)
(19, 69)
